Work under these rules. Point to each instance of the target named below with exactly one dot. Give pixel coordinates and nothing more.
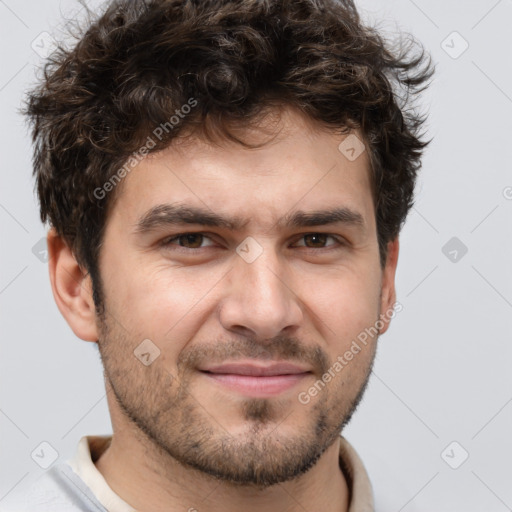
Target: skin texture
(182, 441)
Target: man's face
(298, 294)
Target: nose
(260, 299)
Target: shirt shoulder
(360, 487)
(59, 489)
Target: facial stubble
(177, 426)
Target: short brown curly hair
(136, 65)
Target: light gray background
(442, 372)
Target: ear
(388, 293)
(72, 288)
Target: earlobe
(72, 288)
(388, 294)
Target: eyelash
(166, 242)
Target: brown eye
(318, 240)
(187, 240)
(191, 240)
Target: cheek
(343, 304)
(162, 303)
(346, 309)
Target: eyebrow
(164, 215)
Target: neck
(151, 481)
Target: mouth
(257, 380)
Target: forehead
(301, 168)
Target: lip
(257, 370)
(257, 380)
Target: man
(225, 183)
